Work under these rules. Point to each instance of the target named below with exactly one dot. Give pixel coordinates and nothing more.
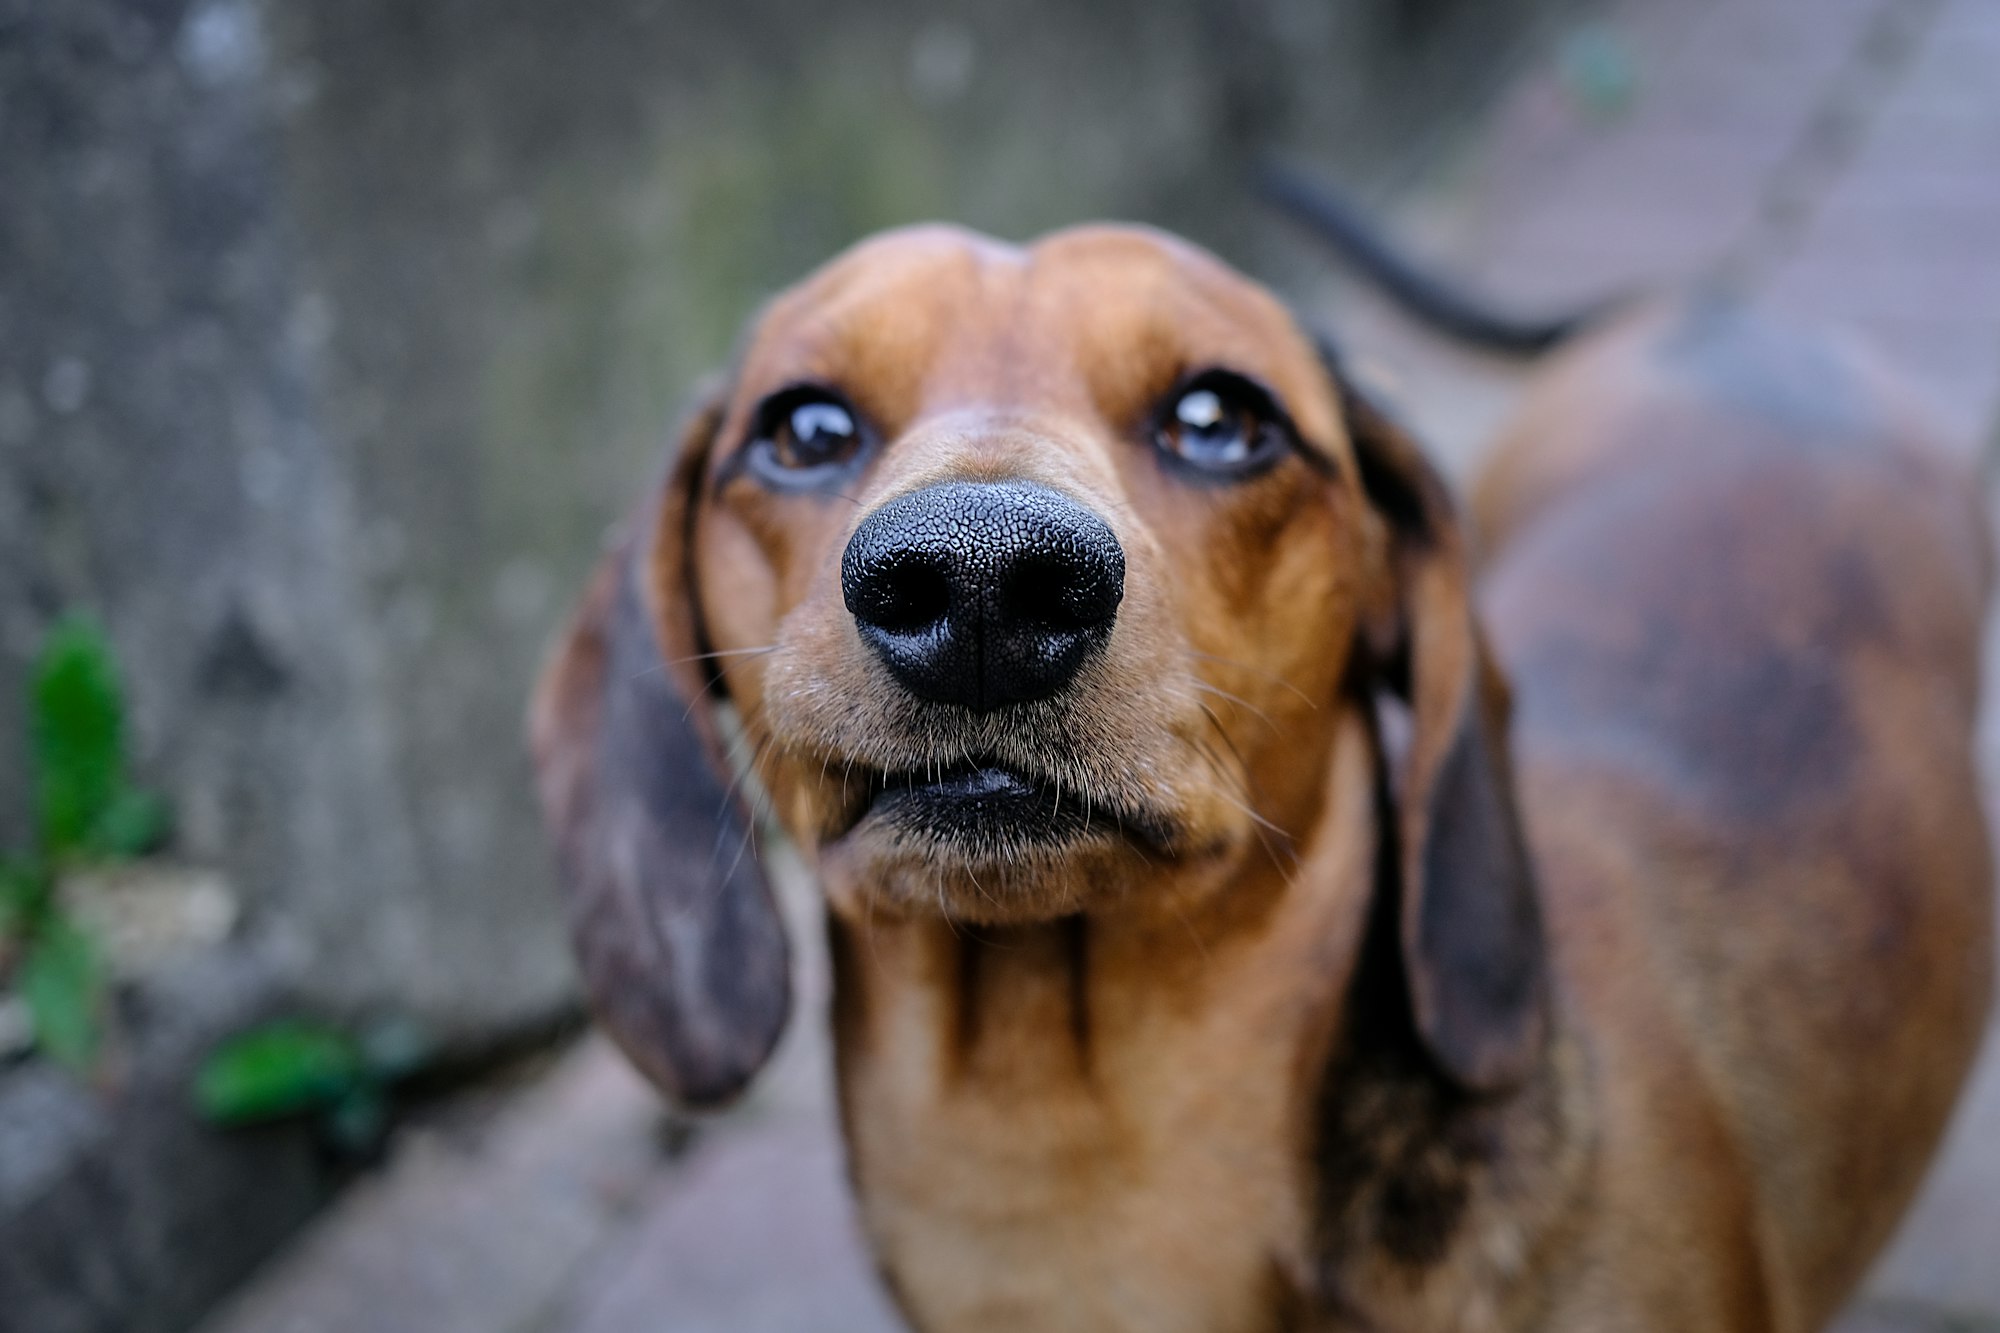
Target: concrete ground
(1837, 159)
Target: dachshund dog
(1235, 926)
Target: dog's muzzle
(983, 594)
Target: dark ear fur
(1469, 918)
(683, 952)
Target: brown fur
(1642, 1010)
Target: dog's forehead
(1115, 311)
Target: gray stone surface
(477, 1226)
(758, 1236)
(120, 1212)
(166, 452)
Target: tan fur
(1217, 1080)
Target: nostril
(1062, 589)
(898, 591)
(906, 596)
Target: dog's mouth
(982, 806)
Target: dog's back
(1739, 594)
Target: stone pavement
(1837, 159)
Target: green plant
(86, 810)
(295, 1067)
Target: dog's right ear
(682, 948)
(1470, 928)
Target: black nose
(983, 594)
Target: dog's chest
(1049, 1203)
(1037, 1147)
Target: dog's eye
(803, 434)
(814, 433)
(1222, 423)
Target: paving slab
(479, 1230)
(1948, 1252)
(1905, 248)
(758, 1235)
(1878, 1316)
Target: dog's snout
(983, 593)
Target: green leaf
(25, 893)
(280, 1069)
(77, 725)
(62, 983)
(134, 823)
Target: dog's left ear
(1469, 919)
(683, 952)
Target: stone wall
(332, 334)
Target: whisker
(1271, 676)
(1236, 699)
(944, 910)
(1259, 826)
(660, 668)
(725, 652)
(980, 887)
(752, 809)
(1242, 764)
(1239, 776)
(1242, 785)
(721, 673)
(868, 927)
(1228, 777)
(740, 787)
(1260, 820)
(746, 768)
(1174, 901)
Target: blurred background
(333, 334)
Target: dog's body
(1739, 595)
(1287, 1020)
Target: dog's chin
(983, 841)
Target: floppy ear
(683, 953)
(1469, 920)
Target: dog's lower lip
(982, 806)
(973, 783)
(972, 786)
(976, 800)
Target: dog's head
(1038, 580)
